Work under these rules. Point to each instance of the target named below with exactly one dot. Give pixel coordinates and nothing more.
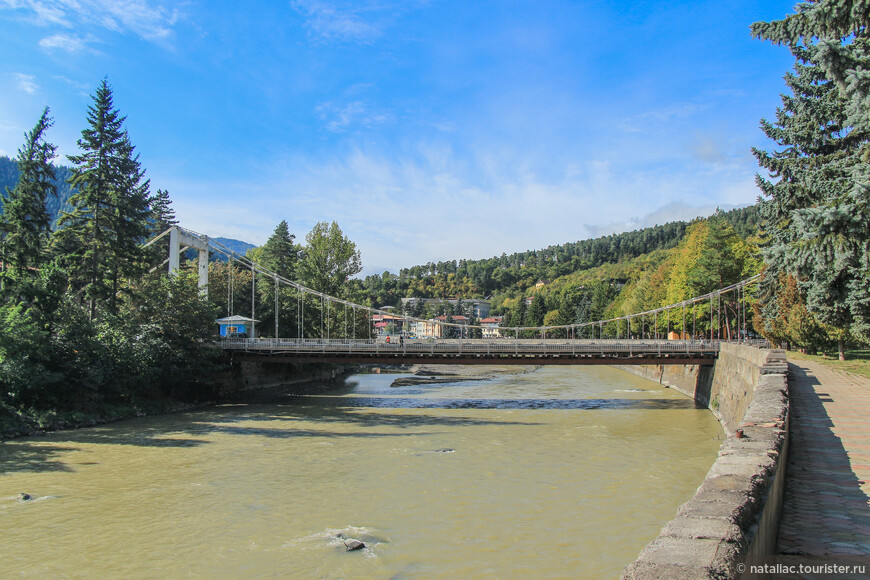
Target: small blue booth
(236, 327)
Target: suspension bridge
(331, 329)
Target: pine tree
(816, 206)
(100, 239)
(25, 223)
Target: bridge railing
(475, 346)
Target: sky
(428, 130)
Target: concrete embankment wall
(255, 380)
(733, 518)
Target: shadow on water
(336, 407)
(17, 457)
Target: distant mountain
(238, 246)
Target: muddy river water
(564, 472)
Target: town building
(491, 326)
(480, 308)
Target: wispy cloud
(642, 121)
(26, 83)
(356, 21)
(330, 21)
(339, 118)
(69, 43)
(150, 22)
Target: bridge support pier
(177, 238)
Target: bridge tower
(179, 238)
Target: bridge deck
(478, 351)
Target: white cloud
(151, 22)
(433, 202)
(26, 83)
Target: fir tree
(100, 239)
(26, 223)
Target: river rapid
(564, 472)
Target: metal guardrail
(495, 347)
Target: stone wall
(733, 518)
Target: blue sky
(427, 129)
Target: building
(427, 329)
(480, 308)
(491, 326)
(236, 326)
(387, 324)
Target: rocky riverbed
(432, 374)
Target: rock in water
(352, 545)
(24, 496)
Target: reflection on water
(566, 472)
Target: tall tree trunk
(841, 347)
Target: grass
(857, 361)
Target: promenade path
(826, 510)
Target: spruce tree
(816, 206)
(25, 223)
(100, 239)
(839, 30)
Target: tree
(816, 205)
(720, 262)
(279, 253)
(329, 259)
(162, 214)
(100, 239)
(839, 31)
(25, 223)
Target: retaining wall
(254, 380)
(733, 518)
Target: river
(565, 472)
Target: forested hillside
(54, 204)
(517, 272)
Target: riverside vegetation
(91, 328)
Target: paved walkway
(826, 510)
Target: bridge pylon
(179, 238)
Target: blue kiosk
(236, 327)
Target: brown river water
(564, 472)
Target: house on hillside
(491, 326)
(480, 308)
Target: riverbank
(234, 384)
(14, 424)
